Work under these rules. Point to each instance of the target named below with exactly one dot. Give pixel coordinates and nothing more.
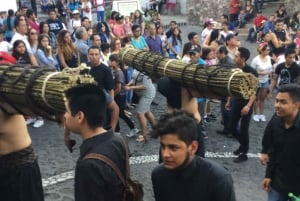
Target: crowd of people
(68, 38)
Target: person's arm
(117, 88)
(114, 114)
(223, 188)
(245, 110)
(171, 47)
(272, 86)
(274, 40)
(146, 48)
(61, 58)
(142, 28)
(44, 59)
(33, 60)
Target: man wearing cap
(232, 44)
(257, 26)
(55, 24)
(75, 22)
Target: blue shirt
(139, 44)
(154, 44)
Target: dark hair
(16, 54)
(104, 47)
(50, 11)
(113, 15)
(205, 52)
(41, 26)
(175, 38)
(223, 50)
(191, 35)
(40, 38)
(134, 27)
(17, 21)
(107, 30)
(292, 89)
(93, 47)
(292, 45)
(9, 17)
(289, 51)
(179, 123)
(244, 53)
(29, 13)
(116, 58)
(186, 48)
(93, 36)
(90, 100)
(213, 36)
(225, 16)
(279, 20)
(84, 18)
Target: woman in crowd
(137, 40)
(186, 58)
(163, 37)
(209, 56)
(120, 93)
(68, 54)
(145, 90)
(9, 25)
(103, 30)
(44, 29)
(44, 52)
(138, 20)
(212, 40)
(119, 29)
(112, 20)
(281, 12)
(115, 46)
(20, 53)
(175, 44)
(33, 39)
(263, 65)
(86, 8)
(295, 24)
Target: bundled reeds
(40, 89)
(214, 80)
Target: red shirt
(34, 25)
(6, 58)
(234, 6)
(258, 19)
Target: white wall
(8, 4)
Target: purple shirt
(155, 45)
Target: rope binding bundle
(39, 89)
(208, 80)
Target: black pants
(241, 133)
(21, 183)
(226, 115)
(121, 100)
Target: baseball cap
(210, 21)
(195, 50)
(75, 12)
(229, 37)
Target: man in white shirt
(99, 5)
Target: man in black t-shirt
(287, 72)
(55, 24)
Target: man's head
(52, 14)
(287, 102)
(231, 40)
(96, 40)
(289, 55)
(195, 54)
(23, 10)
(241, 56)
(279, 24)
(152, 29)
(30, 14)
(178, 138)
(76, 14)
(94, 54)
(224, 18)
(221, 52)
(173, 25)
(21, 26)
(81, 33)
(85, 22)
(85, 107)
(193, 38)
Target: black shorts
(21, 182)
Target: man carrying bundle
(20, 177)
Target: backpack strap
(109, 162)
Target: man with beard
(183, 175)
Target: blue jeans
(275, 196)
(100, 16)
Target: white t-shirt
(205, 33)
(84, 6)
(260, 66)
(18, 36)
(100, 6)
(5, 46)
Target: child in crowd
(127, 26)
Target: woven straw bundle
(40, 89)
(213, 80)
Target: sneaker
(38, 123)
(132, 132)
(256, 117)
(30, 120)
(262, 118)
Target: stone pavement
(57, 164)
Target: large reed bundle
(40, 89)
(207, 80)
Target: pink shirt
(119, 30)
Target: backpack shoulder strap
(109, 162)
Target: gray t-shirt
(142, 79)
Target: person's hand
(227, 105)
(70, 143)
(245, 110)
(126, 87)
(264, 159)
(270, 95)
(266, 184)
